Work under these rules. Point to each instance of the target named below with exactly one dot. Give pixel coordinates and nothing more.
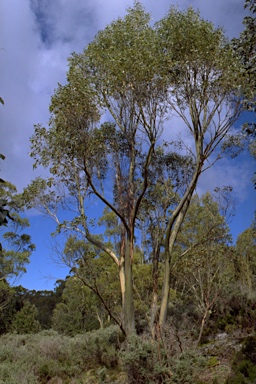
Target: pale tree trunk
(168, 253)
(100, 321)
(121, 266)
(154, 303)
(122, 279)
(206, 313)
(129, 320)
(171, 236)
(153, 315)
(175, 223)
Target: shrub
(143, 363)
(244, 364)
(186, 368)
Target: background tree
(15, 246)
(204, 266)
(4, 212)
(246, 260)
(78, 311)
(245, 47)
(97, 272)
(25, 321)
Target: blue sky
(36, 38)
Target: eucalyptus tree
(116, 73)
(204, 92)
(108, 122)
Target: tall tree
(138, 75)
(116, 72)
(205, 78)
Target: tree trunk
(155, 275)
(129, 319)
(173, 230)
(169, 244)
(202, 325)
(121, 266)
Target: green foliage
(15, 247)
(245, 47)
(201, 267)
(4, 212)
(244, 365)
(77, 313)
(47, 357)
(25, 321)
(187, 368)
(148, 363)
(245, 258)
(7, 306)
(45, 302)
(142, 363)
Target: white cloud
(229, 172)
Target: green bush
(141, 362)
(186, 368)
(244, 364)
(48, 357)
(147, 363)
(25, 321)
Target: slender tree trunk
(122, 266)
(173, 230)
(169, 244)
(153, 314)
(206, 313)
(100, 321)
(122, 279)
(166, 289)
(155, 275)
(129, 319)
